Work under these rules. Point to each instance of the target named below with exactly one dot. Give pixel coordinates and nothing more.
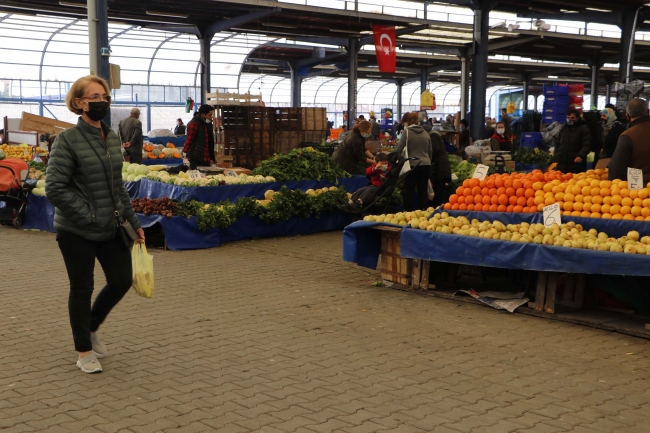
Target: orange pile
(530, 192)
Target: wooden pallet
(393, 266)
(288, 119)
(286, 141)
(43, 125)
(314, 119)
(224, 98)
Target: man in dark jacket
(574, 144)
(440, 169)
(130, 131)
(632, 149)
(376, 129)
(199, 145)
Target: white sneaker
(89, 364)
(98, 347)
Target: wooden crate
(42, 125)
(288, 119)
(313, 119)
(233, 118)
(313, 136)
(261, 118)
(225, 98)
(286, 141)
(393, 266)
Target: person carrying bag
(94, 218)
(415, 143)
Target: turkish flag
(385, 41)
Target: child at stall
(377, 174)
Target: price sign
(480, 172)
(552, 215)
(231, 173)
(634, 178)
(193, 174)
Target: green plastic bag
(142, 264)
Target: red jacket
(377, 177)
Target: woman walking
(418, 143)
(84, 183)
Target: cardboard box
(603, 163)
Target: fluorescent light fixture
(266, 68)
(374, 76)
(598, 10)
(532, 70)
(167, 14)
(73, 5)
(553, 76)
(543, 46)
(280, 26)
(506, 69)
(595, 47)
(350, 32)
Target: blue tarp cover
(216, 194)
(361, 245)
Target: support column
(400, 85)
(628, 28)
(102, 35)
(526, 92)
(595, 68)
(424, 79)
(479, 67)
(206, 86)
(93, 37)
(464, 86)
(296, 87)
(608, 92)
(353, 50)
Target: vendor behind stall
(500, 140)
(352, 154)
(199, 145)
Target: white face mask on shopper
(501, 131)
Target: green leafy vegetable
(301, 164)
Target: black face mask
(97, 110)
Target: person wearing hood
(463, 136)
(632, 149)
(418, 144)
(574, 144)
(612, 130)
(199, 144)
(352, 154)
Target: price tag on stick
(634, 178)
(193, 174)
(231, 173)
(552, 215)
(481, 172)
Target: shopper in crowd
(130, 131)
(377, 174)
(612, 130)
(199, 144)
(500, 140)
(84, 183)
(463, 136)
(426, 123)
(50, 142)
(352, 154)
(574, 144)
(490, 128)
(361, 117)
(180, 127)
(376, 129)
(440, 169)
(418, 144)
(330, 125)
(507, 121)
(632, 149)
(344, 132)
(2, 136)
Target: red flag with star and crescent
(385, 48)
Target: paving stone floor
(281, 336)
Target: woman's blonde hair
(78, 90)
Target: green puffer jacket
(76, 183)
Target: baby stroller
(13, 191)
(393, 180)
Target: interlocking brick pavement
(281, 336)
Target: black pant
(79, 256)
(194, 164)
(134, 157)
(366, 194)
(441, 191)
(418, 179)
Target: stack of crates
(556, 103)
(531, 140)
(576, 96)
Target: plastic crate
(557, 99)
(556, 90)
(535, 137)
(550, 118)
(576, 100)
(553, 108)
(577, 89)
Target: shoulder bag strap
(109, 181)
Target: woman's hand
(140, 234)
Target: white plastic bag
(142, 264)
(405, 154)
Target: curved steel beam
(117, 35)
